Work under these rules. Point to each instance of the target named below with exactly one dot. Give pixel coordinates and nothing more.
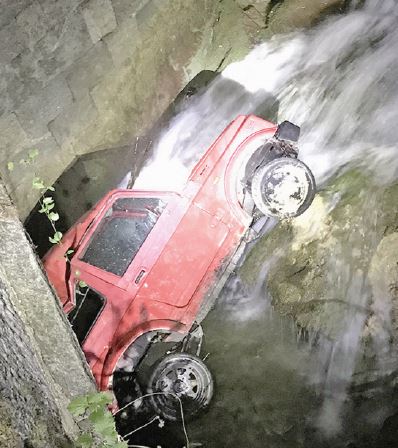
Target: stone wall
(41, 365)
(78, 76)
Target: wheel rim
(285, 187)
(180, 378)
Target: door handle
(139, 276)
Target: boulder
(334, 270)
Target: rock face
(81, 76)
(41, 365)
(335, 271)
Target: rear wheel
(180, 379)
(284, 187)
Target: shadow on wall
(209, 99)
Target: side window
(122, 232)
(88, 307)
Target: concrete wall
(83, 75)
(41, 365)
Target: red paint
(165, 284)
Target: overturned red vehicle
(147, 266)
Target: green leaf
(120, 445)
(10, 166)
(69, 252)
(105, 427)
(85, 441)
(51, 188)
(82, 284)
(33, 153)
(48, 200)
(78, 406)
(110, 435)
(103, 423)
(98, 398)
(50, 207)
(97, 416)
(56, 238)
(38, 183)
(53, 216)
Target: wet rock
(388, 435)
(288, 15)
(335, 272)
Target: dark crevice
(272, 6)
(300, 270)
(223, 60)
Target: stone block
(88, 70)
(126, 9)
(147, 13)
(31, 69)
(11, 42)
(51, 55)
(35, 113)
(7, 80)
(33, 23)
(73, 120)
(60, 13)
(123, 42)
(10, 9)
(49, 165)
(100, 18)
(24, 77)
(60, 47)
(12, 137)
(105, 92)
(22, 173)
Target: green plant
(46, 202)
(47, 205)
(102, 433)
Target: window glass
(88, 307)
(122, 232)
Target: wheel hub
(182, 378)
(180, 387)
(284, 187)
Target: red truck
(147, 266)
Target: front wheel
(284, 187)
(180, 379)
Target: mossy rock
(319, 261)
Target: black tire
(268, 181)
(184, 379)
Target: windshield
(121, 233)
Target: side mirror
(287, 131)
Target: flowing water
(339, 82)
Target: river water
(339, 82)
